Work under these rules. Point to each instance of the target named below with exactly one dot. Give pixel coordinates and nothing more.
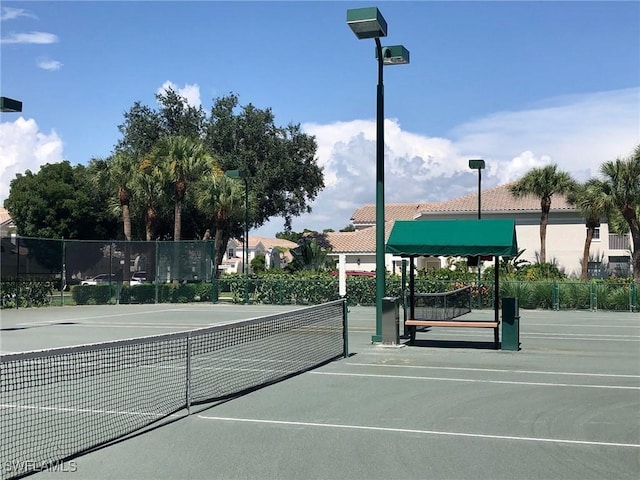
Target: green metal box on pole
(391, 320)
(510, 324)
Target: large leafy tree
(283, 174)
(543, 183)
(59, 201)
(592, 202)
(621, 183)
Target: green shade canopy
(495, 237)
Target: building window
(596, 270)
(619, 266)
(231, 253)
(619, 242)
(596, 233)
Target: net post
(345, 328)
(188, 377)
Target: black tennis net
(444, 305)
(56, 404)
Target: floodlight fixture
(10, 105)
(367, 22)
(394, 55)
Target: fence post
(633, 298)
(17, 272)
(593, 297)
(555, 296)
(156, 282)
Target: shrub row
(309, 290)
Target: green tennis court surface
(564, 407)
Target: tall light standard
(478, 164)
(245, 248)
(369, 23)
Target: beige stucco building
(565, 238)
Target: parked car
(138, 278)
(354, 273)
(99, 279)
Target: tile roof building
(564, 240)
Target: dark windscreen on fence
(77, 261)
(32, 259)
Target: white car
(99, 279)
(138, 278)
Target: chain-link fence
(114, 266)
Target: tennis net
(56, 404)
(444, 305)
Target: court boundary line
(471, 380)
(419, 431)
(540, 372)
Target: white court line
(470, 380)
(423, 432)
(581, 325)
(86, 410)
(550, 336)
(540, 372)
(111, 315)
(597, 335)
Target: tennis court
(450, 407)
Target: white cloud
(578, 133)
(190, 92)
(23, 147)
(31, 37)
(50, 65)
(9, 13)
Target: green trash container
(510, 324)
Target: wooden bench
(413, 323)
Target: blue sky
(520, 84)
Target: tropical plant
(222, 200)
(310, 254)
(621, 184)
(543, 183)
(121, 167)
(182, 160)
(149, 188)
(591, 201)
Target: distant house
(566, 231)
(7, 225)
(275, 250)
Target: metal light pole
(478, 164)
(245, 247)
(369, 23)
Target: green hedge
(25, 294)
(312, 289)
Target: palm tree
(117, 173)
(592, 202)
(149, 188)
(622, 185)
(183, 160)
(222, 200)
(543, 182)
